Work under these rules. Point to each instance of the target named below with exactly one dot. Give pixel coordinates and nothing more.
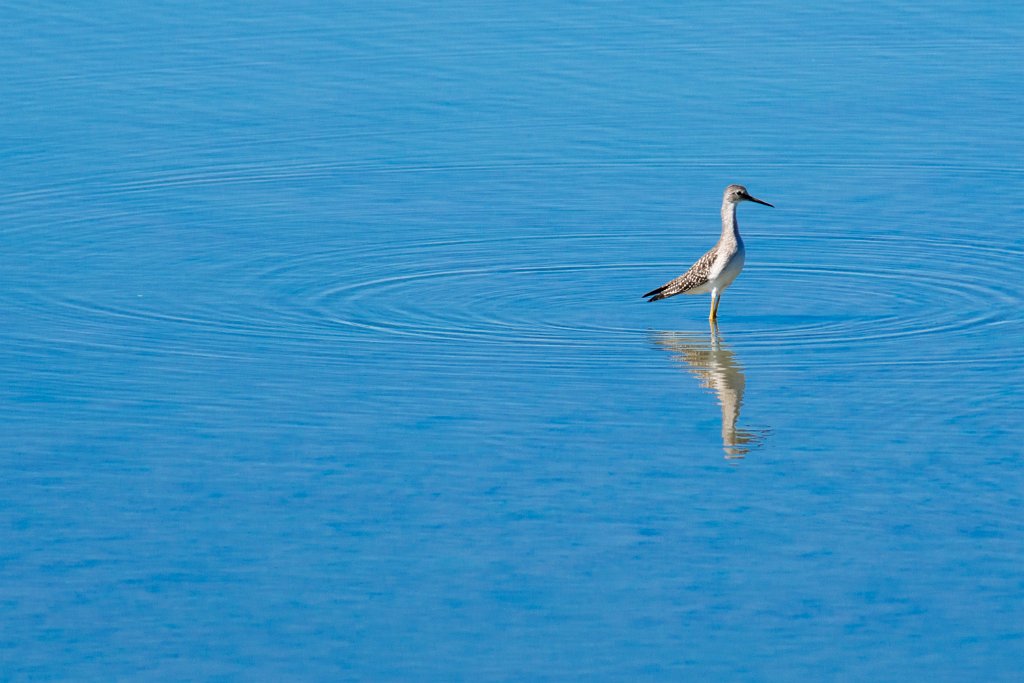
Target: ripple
(849, 300)
(579, 290)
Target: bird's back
(694, 281)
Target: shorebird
(715, 270)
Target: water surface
(324, 356)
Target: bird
(715, 270)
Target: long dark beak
(755, 199)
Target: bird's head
(734, 194)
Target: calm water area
(323, 355)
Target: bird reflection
(716, 367)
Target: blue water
(323, 355)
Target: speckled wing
(698, 274)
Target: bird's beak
(755, 199)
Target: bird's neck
(730, 228)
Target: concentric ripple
(583, 290)
(877, 295)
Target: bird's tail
(655, 294)
(660, 293)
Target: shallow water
(324, 354)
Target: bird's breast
(728, 267)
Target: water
(324, 356)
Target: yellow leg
(715, 298)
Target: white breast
(728, 269)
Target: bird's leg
(715, 296)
